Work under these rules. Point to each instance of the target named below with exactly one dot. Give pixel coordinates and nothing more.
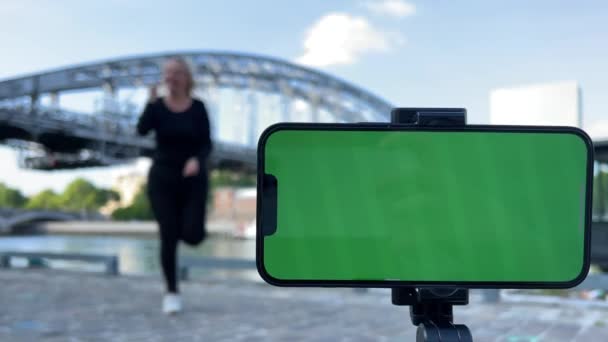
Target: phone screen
(483, 205)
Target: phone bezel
(409, 128)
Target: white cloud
(393, 8)
(341, 38)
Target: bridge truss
(52, 137)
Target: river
(137, 254)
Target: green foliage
(11, 198)
(79, 195)
(83, 195)
(46, 199)
(138, 210)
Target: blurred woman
(178, 178)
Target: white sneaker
(172, 304)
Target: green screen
(460, 206)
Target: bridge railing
(61, 117)
(116, 131)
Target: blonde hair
(187, 68)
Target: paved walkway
(45, 305)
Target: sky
(437, 53)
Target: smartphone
(381, 205)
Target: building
(553, 104)
(234, 203)
(127, 186)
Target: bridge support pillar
(252, 105)
(210, 95)
(314, 108)
(54, 97)
(34, 95)
(285, 108)
(109, 102)
(34, 101)
(109, 89)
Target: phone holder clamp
(431, 308)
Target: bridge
(13, 219)
(51, 137)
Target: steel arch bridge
(12, 219)
(51, 137)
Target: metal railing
(110, 262)
(232, 264)
(186, 264)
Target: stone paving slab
(47, 305)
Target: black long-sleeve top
(179, 135)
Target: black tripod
(431, 311)
(431, 308)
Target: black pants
(179, 206)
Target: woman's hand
(191, 168)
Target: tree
(11, 198)
(138, 210)
(81, 194)
(46, 199)
(78, 195)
